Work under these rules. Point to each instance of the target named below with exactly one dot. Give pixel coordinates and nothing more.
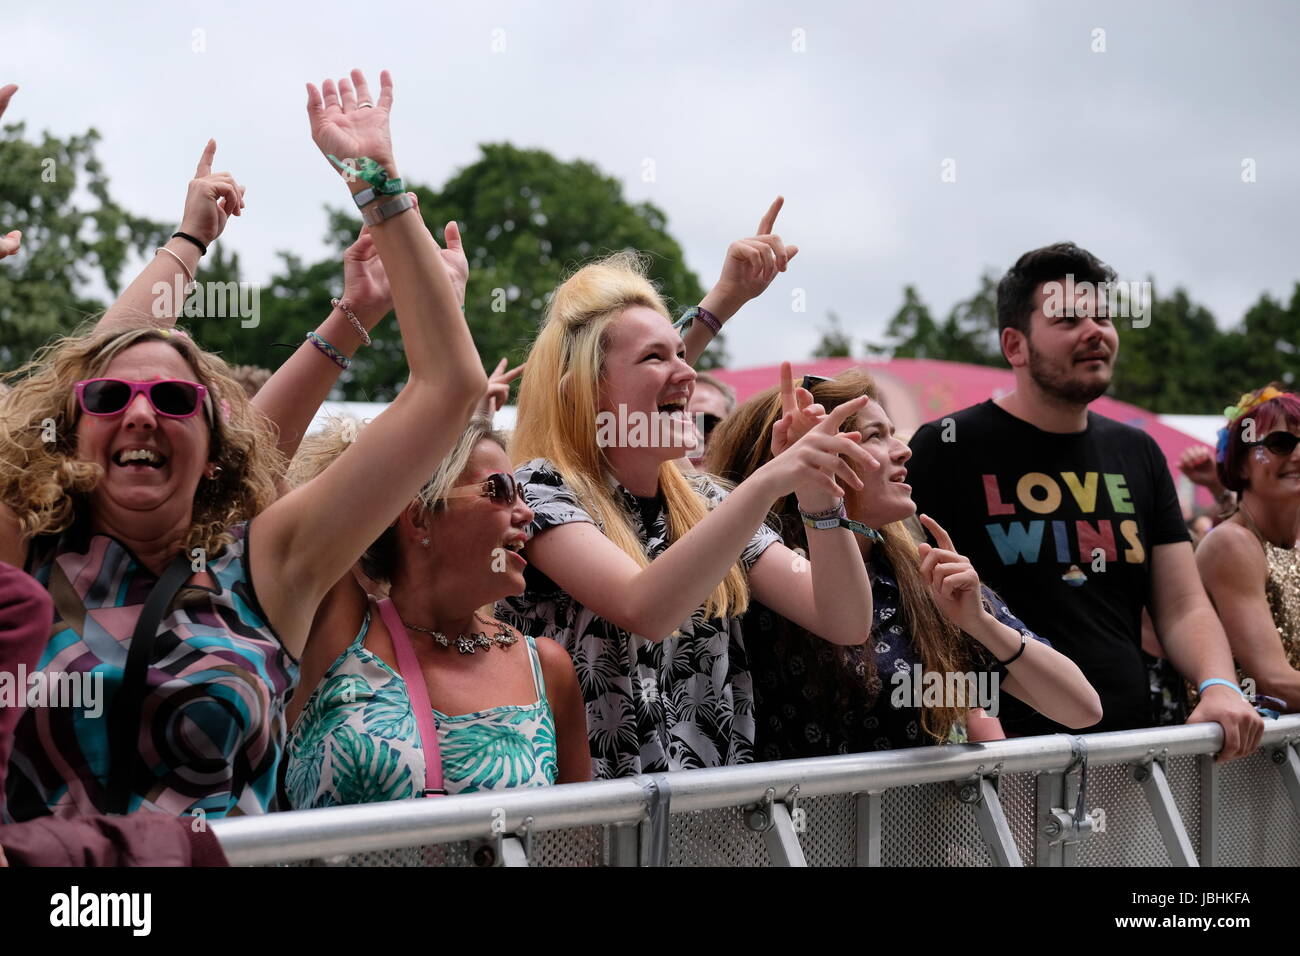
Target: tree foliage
(527, 220)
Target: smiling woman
(139, 486)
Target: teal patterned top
(357, 740)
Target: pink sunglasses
(172, 398)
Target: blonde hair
(558, 400)
(322, 448)
(46, 484)
(741, 444)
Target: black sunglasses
(810, 380)
(1280, 443)
(500, 487)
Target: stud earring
(424, 541)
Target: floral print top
(652, 706)
(357, 740)
(815, 699)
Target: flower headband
(1233, 412)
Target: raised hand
(815, 467)
(499, 386)
(347, 124)
(798, 413)
(453, 257)
(8, 243)
(751, 264)
(365, 283)
(1197, 463)
(210, 200)
(953, 580)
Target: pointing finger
(205, 161)
(769, 218)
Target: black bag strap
(124, 717)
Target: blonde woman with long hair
(506, 712)
(640, 572)
(139, 486)
(932, 615)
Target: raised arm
(9, 242)
(748, 269)
(159, 291)
(309, 539)
(1041, 676)
(655, 600)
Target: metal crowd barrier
(1134, 798)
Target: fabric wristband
(371, 172)
(704, 315)
(333, 354)
(1218, 680)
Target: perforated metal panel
(581, 846)
(1257, 826)
(1185, 784)
(1131, 837)
(715, 838)
(1019, 795)
(928, 826)
(830, 830)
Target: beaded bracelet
(334, 355)
(342, 306)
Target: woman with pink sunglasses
(142, 489)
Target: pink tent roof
(916, 391)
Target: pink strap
(409, 667)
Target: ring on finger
(365, 104)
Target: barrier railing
(1142, 797)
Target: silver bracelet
(341, 305)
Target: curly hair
(47, 485)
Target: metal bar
(782, 842)
(655, 831)
(512, 852)
(1161, 801)
(1289, 766)
(868, 807)
(622, 844)
(993, 826)
(305, 834)
(1210, 809)
(1071, 782)
(334, 831)
(1049, 790)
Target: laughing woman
(421, 690)
(638, 571)
(930, 608)
(1251, 562)
(139, 487)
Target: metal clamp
(1061, 826)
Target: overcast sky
(849, 109)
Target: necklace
(470, 643)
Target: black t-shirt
(1062, 527)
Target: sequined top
(1282, 587)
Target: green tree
(68, 243)
(1175, 363)
(970, 333)
(912, 331)
(835, 342)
